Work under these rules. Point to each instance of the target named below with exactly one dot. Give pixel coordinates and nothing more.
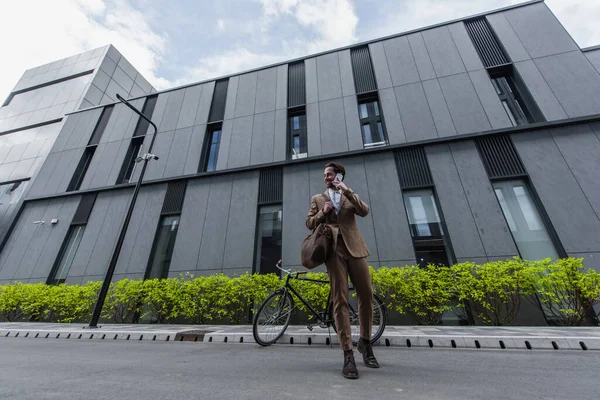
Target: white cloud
(39, 31)
(221, 25)
(579, 17)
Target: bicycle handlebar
(289, 271)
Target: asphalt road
(67, 369)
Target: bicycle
(274, 314)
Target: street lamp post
(115, 255)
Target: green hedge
(493, 291)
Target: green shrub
(390, 285)
(427, 292)
(493, 289)
(124, 301)
(162, 299)
(565, 293)
(11, 300)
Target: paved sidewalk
(528, 338)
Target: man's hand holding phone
(337, 182)
(327, 207)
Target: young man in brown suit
(337, 207)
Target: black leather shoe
(349, 371)
(366, 349)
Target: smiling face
(328, 177)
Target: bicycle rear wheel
(379, 318)
(272, 318)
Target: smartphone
(339, 177)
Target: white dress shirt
(336, 197)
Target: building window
(162, 249)
(426, 227)
(66, 255)
(131, 160)
(211, 153)
(81, 169)
(268, 244)
(297, 134)
(524, 221)
(10, 193)
(371, 123)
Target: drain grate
(195, 335)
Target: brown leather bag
(316, 246)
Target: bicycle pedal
(310, 328)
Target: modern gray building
(34, 112)
(477, 139)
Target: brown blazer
(344, 221)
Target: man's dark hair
(337, 168)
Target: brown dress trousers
(348, 258)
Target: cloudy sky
(182, 41)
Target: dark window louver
(101, 125)
(413, 168)
(148, 109)
(84, 209)
(296, 84)
(174, 198)
(362, 69)
(270, 186)
(217, 107)
(485, 42)
(500, 157)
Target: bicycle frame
(324, 319)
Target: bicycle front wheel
(379, 318)
(272, 318)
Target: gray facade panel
(346, 74)
(178, 152)
(507, 37)
(541, 92)
(224, 145)
(20, 240)
(310, 71)
(79, 134)
(313, 125)
(296, 203)
(162, 146)
(169, 118)
(104, 158)
(190, 232)
(465, 46)
(574, 219)
(453, 203)
(394, 241)
(204, 103)
(246, 95)
(416, 117)
(334, 138)
(192, 160)
(263, 138)
(580, 148)
(489, 99)
(594, 57)
(282, 83)
(403, 69)
(241, 142)
(239, 248)
(421, 56)
(28, 262)
(55, 239)
(70, 123)
(328, 77)
(232, 89)
(146, 230)
(391, 115)
(493, 230)
(574, 81)
(115, 169)
(266, 91)
(159, 110)
(355, 140)
(443, 53)
(280, 136)
(189, 107)
(439, 108)
(380, 65)
(37, 187)
(63, 171)
(111, 225)
(463, 102)
(137, 218)
(539, 30)
(216, 221)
